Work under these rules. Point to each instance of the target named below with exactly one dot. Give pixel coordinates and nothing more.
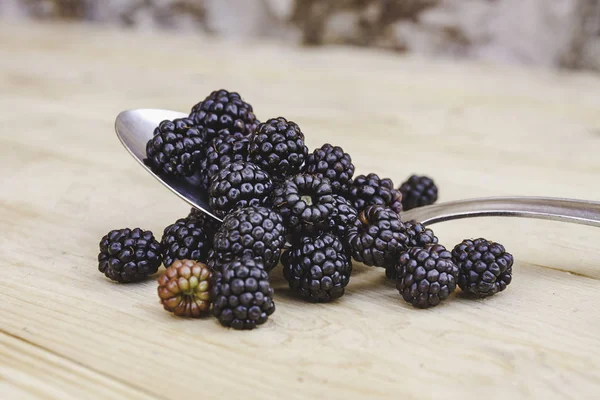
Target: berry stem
(307, 199)
(363, 218)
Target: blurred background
(549, 33)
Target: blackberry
(278, 147)
(184, 288)
(418, 191)
(317, 268)
(176, 148)
(332, 163)
(241, 294)
(208, 224)
(224, 112)
(485, 268)
(372, 190)
(342, 217)
(255, 232)
(222, 151)
(418, 236)
(426, 275)
(305, 203)
(377, 237)
(129, 255)
(241, 184)
(184, 240)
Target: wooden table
(479, 130)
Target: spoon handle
(566, 210)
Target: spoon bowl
(134, 128)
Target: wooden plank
(29, 371)
(479, 130)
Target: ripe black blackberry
(241, 294)
(342, 217)
(377, 237)
(255, 232)
(418, 236)
(238, 185)
(278, 147)
(317, 268)
(418, 191)
(426, 275)
(332, 163)
(485, 268)
(222, 151)
(372, 190)
(184, 240)
(305, 203)
(208, 224)
(176, 148)
(129, 255)
(224, 112)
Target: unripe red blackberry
(184, 288)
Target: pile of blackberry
(269, 193)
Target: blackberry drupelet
(305, 203)
(377, 237)
(214, 262)
(224, 112)
(129, 255)
(485, 268)
(208, 224)
(418, 236)
(222, 151)
(241, 184)
(369, 190)
(255, 232)
(241, 294)
(184, 288)
(418, 191)
(426, 275)
(184, 240)
(278, 147)
(332, 163)
(176, 148)
(343, 216)
(317, 268)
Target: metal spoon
(135, 127)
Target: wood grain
(479, 130)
